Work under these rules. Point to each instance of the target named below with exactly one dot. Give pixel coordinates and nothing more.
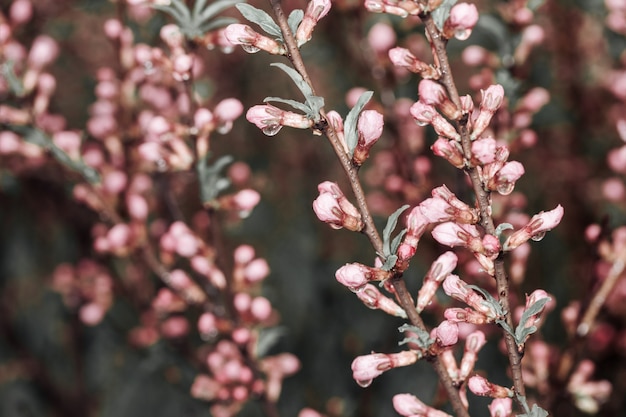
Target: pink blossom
(355, 275)
(454, 234)
(43, 51)
(539, 224)
(246, 200)
(374, 299)
(431, 92)
(260, 308)
(332, 207)
(501, 407)
(473, 343)
(402, 57)
(228, 110)
(446, 334)
(21, 11)
(370, 127)
(270, 119)
(381, 37)
(449, 150)
(426, 114)
(484, 150)
(366, 368)
(463, 18)
(480, 386)
(410, 406)
(492, 98)
(256, 270)
(458, 289)
(504, 180)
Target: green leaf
(293, 103)
(198, 6)
(422, 338)
(395, 243)
(441, 13)
(521, 331)
(216, 23)
(350, 126)
(315, 103)
(214, 8)
(296, 77)
(211, 180)
(268, 338)
(392, 221)
(37, 137)
(390, 262)
(536, 411)
(15, 84)
(294, 19)
(261, 18)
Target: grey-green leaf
(261, 18)
(392, 221)
(296, 77)
(293, 103)
(211, 180)
(294, 19)
(214, 8)
(350, 126)
(441, 13)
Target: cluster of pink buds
(86, 287)
(332, 207)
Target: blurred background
(53, 365)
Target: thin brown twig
(402, 294)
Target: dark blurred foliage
(51, 365)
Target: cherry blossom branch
(482, 198)
(398, 284)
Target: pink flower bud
(446, 334)
(374, 299)
(474, 342)
(21, 12)
(425, 114)
(252, 41)
(484, 150)
(355, 276)
(381, 37)
(410, 406)
(454, 234)
(458, 289)
(246, 200)
(172, 36)
(501, 407)
(369, 128)
(271, 119)
(43, 51)
(256, 270)
(480, 386)
(431, 92)
(228, 110)
(315, 10)
(504, 180)
(261, 308)
(366, 368)
(333, 208)
(402, 57)
(537, 227)
(492, 98)
(463, 18)
(449, 150)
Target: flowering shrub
(154, 241)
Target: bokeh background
(52, 365)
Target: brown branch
(402, 294)
(483, 200)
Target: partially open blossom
(355, 276)
(425, 114)
(366, 368)
(315, 10)
(537, 227)
(501, 407)
(434, 94)
(474, 342)
(408, 405)
(374, 299)
(463, 18)
(369, 129)
(439, 270)
(480, 386)
(492, 99)
(484, 150)
(402, 57)
(252, 41)
(271, 119)
(450, 150)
